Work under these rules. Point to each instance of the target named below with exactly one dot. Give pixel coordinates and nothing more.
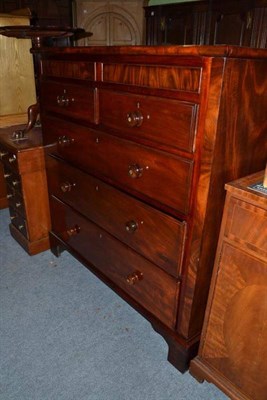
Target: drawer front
(16, 202)
(161, 178)
(8, 159)
(13, 180)
(151, 233)
(19, 222)
(254, 220)
(73, 100)
(69, 69)
(143, 281)
(164, 121)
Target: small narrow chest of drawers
(26, 187)
(233, 351)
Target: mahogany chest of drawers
(139, 143)
(233, 352)
(23, 163)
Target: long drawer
(151, 233)
(155, 175)
(143, 281)
(167, 122)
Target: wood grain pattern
(17, 85)
(232, 353)
(177, 166)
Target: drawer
(16, 202)
(151, 233)
(13, 180)
(18, 221)
(8, 158)
(147, 284)
(69, 69)
(72, 100)
(254, 219)
(166, 122)
(156, 176)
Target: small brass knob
(12, 159)
(134, 278)
(67, 186)
(63, 100)
(73, 231)
(15, 183)
(3, 154)
(20, 227)
(7, 175)
(135, 119)
(135, 171)
(131, 226)
(18, 205)
(9, 196)
(65, 140)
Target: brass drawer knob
(135, 119)
(7, 175)
(12, 159)
(9, 196)
(135, 171)
(67, 186)
(18, 204)
(63, 100)
(15, 183)
(3, 154)
(21, 227)
(73, 231)
(65, 140)
(131, 226)
(134, 278)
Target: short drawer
(158, 237)
(156, 176)
(147, 284)
(166, 122)
(73, 100)
(18, 221)
(8, 158)
(252, 233)
(13, 180)
(69, 69)
(16, 202)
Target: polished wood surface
(232, 353)
(24, 172)
(163, 132)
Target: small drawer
(19, 222)
(254, 219)
(17, 203)
(147, 284)
(69, 69)
(13, 180)
(166, 122)
(8, 158)
(73, 100)
(159, 177)
(158, 237)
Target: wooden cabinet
(233, 352)
(139, 144)
(235, 22)
(112, 23)
(26, 186)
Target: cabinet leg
(180, 353)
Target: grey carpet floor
(64, 335)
